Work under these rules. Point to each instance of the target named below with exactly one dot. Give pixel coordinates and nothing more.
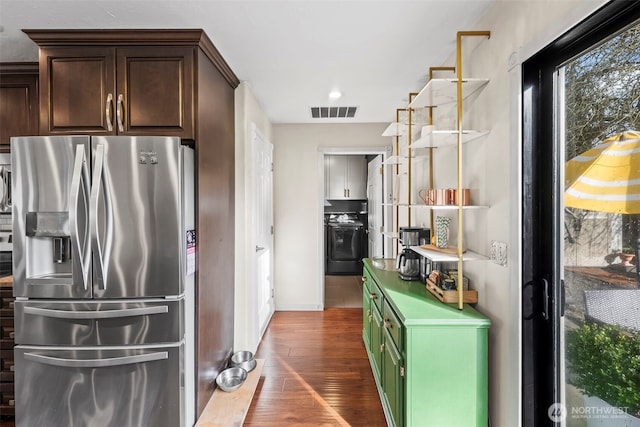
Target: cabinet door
(393, 379)
(376, 342)
(356, 177)
(367, 317)
(337, 171)
(18, 107)
(75, 88)
(155, 91)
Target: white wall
(248, 111)
(297, 179)
(518, 28)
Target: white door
(262, 153)
(375, 199)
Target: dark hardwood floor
(316, 372)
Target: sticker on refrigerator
(191, 252)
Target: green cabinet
(429, 359)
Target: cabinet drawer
(375, 294)
(392, 325)
(366, 280)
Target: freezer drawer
(99, 387)
(96, 323)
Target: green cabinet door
(393, 379)
(376, 341)
(366, 314)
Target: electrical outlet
(498, 252)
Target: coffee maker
(408, 262)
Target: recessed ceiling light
(335, 94)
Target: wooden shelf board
(230, 409)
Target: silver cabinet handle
(259, 248)
(102, 253)
(90, 314)
(119, 107)
(80, 253)
(96, 363)
(107, 112)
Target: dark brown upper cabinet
(18, 101)
(133, 89)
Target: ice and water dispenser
(49, 229)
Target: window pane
(600, 122)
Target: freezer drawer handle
(106, 314)
(96, 363)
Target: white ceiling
(290, 53)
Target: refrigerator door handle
(90, 314)
(81, 253)
(102, 253)
(96, 363)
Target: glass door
(599, 130)
(580, 345)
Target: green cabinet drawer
(392, 325)
(375, 294)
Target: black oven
(6, 246)
(6, 267)
(346, 244)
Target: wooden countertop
(6, 282)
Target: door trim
(385, 151)
(540, 231)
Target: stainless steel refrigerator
(103, 268)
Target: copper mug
(441, 196)
(452, 196)
(466, 197)
(428, 196)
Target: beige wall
(298, 183)
(248, 113)
(518, 29)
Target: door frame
(259, 329)
(385, 151)
(540, 230)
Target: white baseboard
(299, 307)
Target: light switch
(498, 252)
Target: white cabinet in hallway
(345, 177)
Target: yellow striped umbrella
(606, 178)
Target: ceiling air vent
(333, 112)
